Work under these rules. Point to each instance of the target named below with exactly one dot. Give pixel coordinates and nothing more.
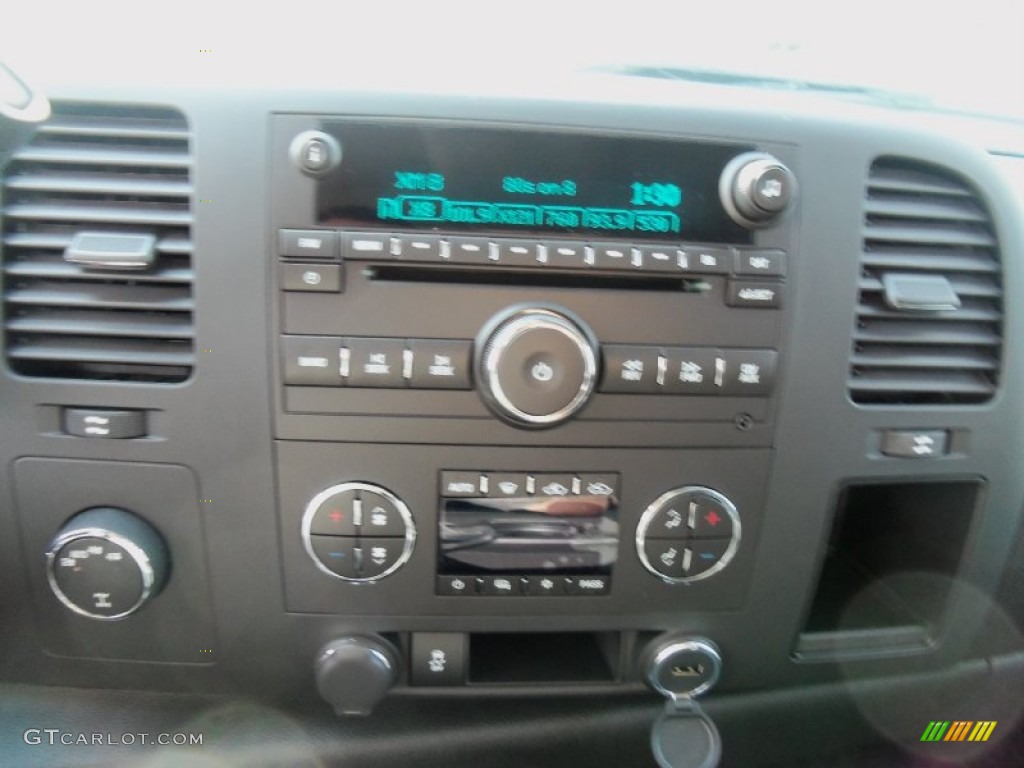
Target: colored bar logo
(958, 730)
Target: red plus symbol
(712, 518)
(336, 516)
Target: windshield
(964, 57)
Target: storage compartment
(543, 658)
(891, 558)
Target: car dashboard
(379, 425)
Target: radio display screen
(422, 176)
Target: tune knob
(354, 673)
(538, 365)
(755, 188)
(106, 563)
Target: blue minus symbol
(336, 554)
(707, 555)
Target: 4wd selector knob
(537, 367)
(105, 563)
(755, 188)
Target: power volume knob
(106, 563)
(756, 188)
(538, 366)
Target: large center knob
(538, 366)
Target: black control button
(506, 485)
(553, 486)
(311, 360)
(380, 516)
(666, 556)
(308, 243)
(691, 371)
(337, 554)
(749, 372)
(701, 260)
(380, 554)
(375, 362)
(671, 521)
(761, 262)
(705, 554)
(366, 246)
(630, 369)
(616, 256)
(599, 484)
(104, 424)
(519, 253)
(315, 152)
(915, 444)
(336, 516)
(420, 248)
(660, 258)
(566, 254)
(587, 585)
(460, 484)
(440, 364)
(543, 586)
(311, 278)
(455, 585)
(469, 250)
(757, 294)
(502, 586)
(706, 517)
(438, 658)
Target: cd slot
(467, 275)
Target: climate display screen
(456, 179)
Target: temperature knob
(538, 366)
(755, 188)
(106, 563)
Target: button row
(690, 515)
(630, 368)
(682, 558)
(330, 361)
(673, 258)
(520, 586)
(353, 512)
(470, 484)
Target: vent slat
(57, 241)
(164, 214)
(100, 155)
(940, 209)
(135, 128)
(53, 266)
(110, 296)
(924, 220)
(99, 183)
(87, 323)
(124, 352)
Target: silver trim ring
(320, 498)
(657, 505)
(511, 329)
(697, 644)
(137, 554)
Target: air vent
(929, 316)
(100, 174)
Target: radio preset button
(311, 360)
(469, 250)
(420, 248)
(519, 253)
(360, 246)
(614, 256)
(630, 369)
(706, 261)
(308, 243)
(660, 258)
(749, 372)
(375, 362)
(566, 254)
(440, 364)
